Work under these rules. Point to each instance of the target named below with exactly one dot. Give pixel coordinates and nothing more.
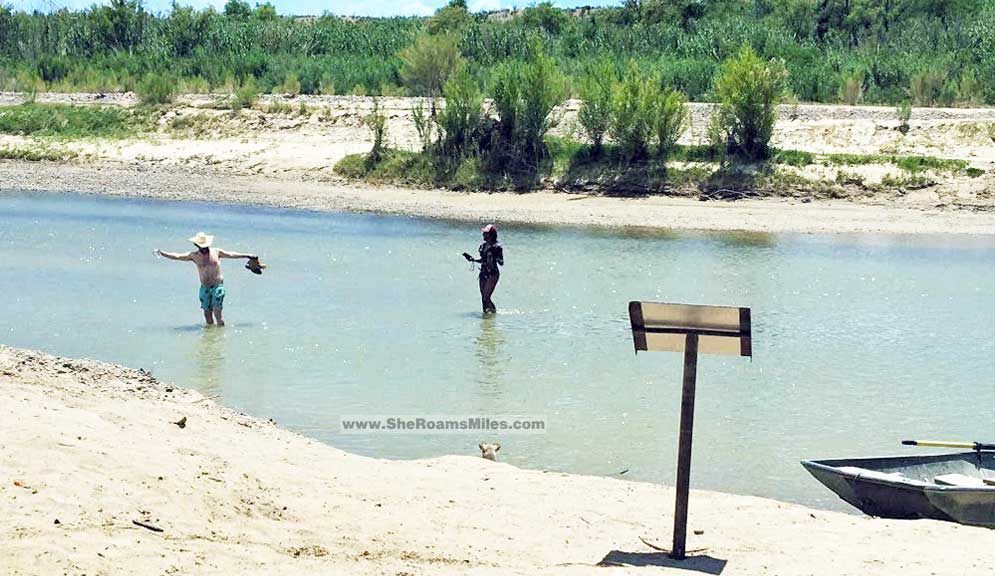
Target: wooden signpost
(690, 329)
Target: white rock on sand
(88, 448)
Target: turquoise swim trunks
(212, 297)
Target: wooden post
(684, 448)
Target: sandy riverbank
(281, 153)
(762, 215)
(88, 448)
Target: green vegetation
(35, 153)
(156, 89)
(60, 121)
(576, 165)
(595, 111)
(427, 64)
(904, 113)
(929, 52)
(506, 145)
(377, 123)
(749, 91)
(245, 95)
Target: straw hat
(202, 240)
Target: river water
(859, 341)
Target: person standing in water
(491, 257)
(212, 282)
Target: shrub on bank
(595, 114)
(749, 90)
(156, 89)
(66, 121)
(428, 64)
(460, 122)
(643, 114)
(524, 95)
(245, 95)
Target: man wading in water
(491, 256)
(212, 282)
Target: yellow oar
(978, 446)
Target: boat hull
(905, 487)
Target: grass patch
(278, 107)
(795, 158)
(916, 164)
(66, 122)
(572, 165)
(199, 125)
(911, 164)
(35, 153)
(395, 167)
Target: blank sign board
(657, 326)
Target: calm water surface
(859, 341)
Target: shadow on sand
(694, 563)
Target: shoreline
(770, 215)
(92, 448)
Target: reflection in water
(739, 238)
(327, 333)
(210, 354)
(491, 358)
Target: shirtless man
(212, 282)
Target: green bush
(377, 123)
(524, 95)
(595, 111)
(291, 86)
(904, 113)
(749, 90)
(969, 90)
(851, 91)
(948, 95)
(450, 18)
(460, 121)
(633, 115)
(156, 89)
(245, 95)
(427, 64)
(424, 126)
(671, 119)
(65, 121)
(926, 86)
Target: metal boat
(953, 487)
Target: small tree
(156, 89)
(595, 111)
(671, 119)
(524, 95)
(377, 123)
(427, 64)
(851, 89)
(245, 95)
(904, 113)
(546, 17)
(749, 91)
(424, 126)
(634, 102)
(926, 86)
(450, 18)
(291, 86)
(460, 120)
(237, 9)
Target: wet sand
(761, 215)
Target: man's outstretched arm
(227, 254)
(174, 256)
